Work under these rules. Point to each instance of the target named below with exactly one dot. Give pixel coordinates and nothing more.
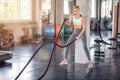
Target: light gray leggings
(83, 38)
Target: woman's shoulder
(82, 17)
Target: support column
(52, 12)
(34, 11)
(97, 8)
(80, 55)
(39, 16)
(59, 11)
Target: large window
(12, 10)
(106, 7)
(46, 6)
(93, 8)
(66, 7)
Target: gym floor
(106, 68)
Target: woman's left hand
(77, 37)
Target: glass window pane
(66, 8)
(11, 10)
(15, 10)
(2, 1)
(93, 8)
(105, 8)
(11, 13)
(2, 10)
(46, 5)
(2, 14)
(25, 9)
(12, 3)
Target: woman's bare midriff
(77, 26)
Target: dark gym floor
(106, 68)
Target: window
(106, 7)
(66, 7)
(93, 8)
(46, 6)
(11, 10)
(2, 10)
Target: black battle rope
(37, 52)
(50, 56)
(53, 51)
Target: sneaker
(63, 62)
(90, 65)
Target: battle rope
(55, 42)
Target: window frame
(18, 13)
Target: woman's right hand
(67, 22)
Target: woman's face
(76, 11)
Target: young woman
(79, 32)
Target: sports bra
(77, 21)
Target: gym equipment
(6, 41)
(112, 40)
(68, 29)
(50, 56)
(6, 37)
(5, 56)
(98, 53)
(48, 31)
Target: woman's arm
(83, 28)
(70, 20)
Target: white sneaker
(90, 66)
(63, 63)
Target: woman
(79, 32)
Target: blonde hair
(76, 7)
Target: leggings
(83, 38)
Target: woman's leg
(83, 38)
(72, 37)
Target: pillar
(39, 16)
(80, 56)
(59, 11)
(52, 12)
